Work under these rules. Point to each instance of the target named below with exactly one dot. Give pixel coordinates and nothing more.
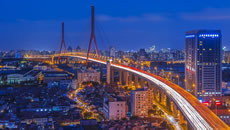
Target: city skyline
(37, 25)
(119, 65)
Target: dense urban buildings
(203, 58)
(107, 86)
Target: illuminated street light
(177, 76)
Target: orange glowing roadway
(197, 114)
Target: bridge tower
(62, 44)
(92, 37)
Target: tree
(164, 124)
(160, 112)
(82, 110)
(152, 112)
(124, 119)
(87, 115)
(154, 107)
(133, 117)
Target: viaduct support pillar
(108, 78)
(142, 82)
(183, 121)
(162, 98)
(136, 81)
(175, 111)
(126, 78)
(112, 74)
(52, 60)
(120, 77)
(169, 104)
(130, 79)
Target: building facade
(203, 56)
(114, 108)
(141, 101)
(88, 75)
(227, 57)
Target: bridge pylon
(92, 36)
(62, 44)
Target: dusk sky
(124, 24)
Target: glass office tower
(203, 75)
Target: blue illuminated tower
(203, 74)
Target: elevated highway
(197, 115)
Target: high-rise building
(227, 57)
(203, 56)
(141, 101)
(112, 52)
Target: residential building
(141, 101)
(87, 75)
(114, 108)
(56, 76)
(112, 52)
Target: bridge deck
(203, 110)
(214, 121)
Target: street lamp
(177, 76)
(155, 68)
(214, 99)
(169, 75)
(203, 92)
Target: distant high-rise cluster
(203, 56)
(226, 57)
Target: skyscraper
(203, 74)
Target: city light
(150, 67)
(195, 118)
(209, 35)
(189, 36)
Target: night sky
(124, 24)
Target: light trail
(198, 116)
(189, 111)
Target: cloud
(144, 17)
(208, 14)
(154, 18)
(106, 18)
